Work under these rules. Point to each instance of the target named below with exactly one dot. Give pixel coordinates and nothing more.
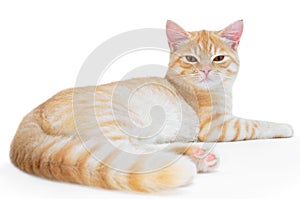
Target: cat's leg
(203, 158)
(234, 129)
(265, 130)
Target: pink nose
(205, 71)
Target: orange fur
(59, 139)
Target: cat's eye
(219, 58)
(191, 58)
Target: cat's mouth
(205, 80)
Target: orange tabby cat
(95, 136)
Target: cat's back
(72, 107)
(83, 95)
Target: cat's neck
(215, 101)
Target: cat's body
(55, 142)
(109, 136)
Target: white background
(43, 45)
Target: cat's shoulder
(142, 80)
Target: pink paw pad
(198, 152)
(210, 158)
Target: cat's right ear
(176, 35)
(232, 33)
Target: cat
(99, 136)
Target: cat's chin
(207, 84)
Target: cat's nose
(205, 68)
(205, 71)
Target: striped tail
(65, 158)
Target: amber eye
(219, 58)
(190, 58)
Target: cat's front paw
(284, 131)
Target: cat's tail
(67, 158)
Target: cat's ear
(232, 33)
(176, 35)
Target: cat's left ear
(232, 33)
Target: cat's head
(204, 59)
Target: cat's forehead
(208, 41)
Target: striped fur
(98, 136)
(213, 104)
